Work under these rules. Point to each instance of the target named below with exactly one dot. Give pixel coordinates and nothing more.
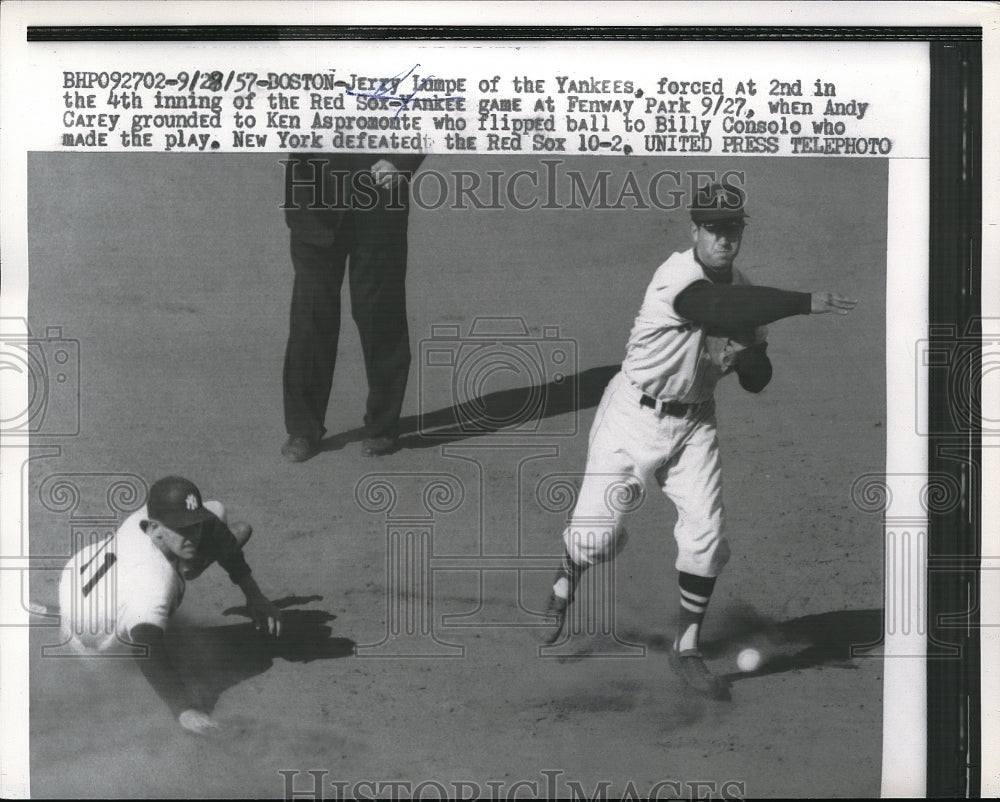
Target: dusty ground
(172, 272)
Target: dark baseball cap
(176, 503)
(715, 203)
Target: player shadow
(520, 408)
(833, 640)
(218, 658)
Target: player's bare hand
(823, 302)
(385, 173)
(197, 722)
(266, 617)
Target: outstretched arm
(221, 543)
(160, 672)
(732, 308)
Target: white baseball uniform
(110, 587)
(656, 422)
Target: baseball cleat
(556, 609)
(691, 668)
(298, 448)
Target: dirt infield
(172, 272)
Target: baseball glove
(753, 367)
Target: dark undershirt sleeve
(219, 543)
(731, 309)
(160, 672)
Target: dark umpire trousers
(370, 245)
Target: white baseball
(748, 660)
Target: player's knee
(587, 545)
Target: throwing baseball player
(655, 426)
(126, 587)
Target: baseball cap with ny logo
(176, 502)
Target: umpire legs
(378, 304)
(319, 259)
(372, 245)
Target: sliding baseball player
(126, 587)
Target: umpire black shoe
(690, 667)
(298, 448)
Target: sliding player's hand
(266, 617)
